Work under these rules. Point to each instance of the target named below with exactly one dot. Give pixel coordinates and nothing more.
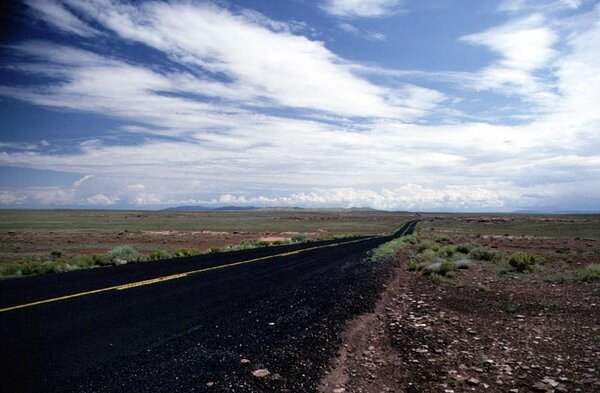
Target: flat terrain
(207, 331)
(33, 234)
(487, 327)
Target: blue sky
(392, 104)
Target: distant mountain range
(207, 208)
(243, 208)
(557, 212)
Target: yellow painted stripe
(173, 276)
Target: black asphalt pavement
(282, 313)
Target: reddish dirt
(479, 331)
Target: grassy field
(554, 226)
(31, 235)
(367, 222)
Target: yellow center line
(174, 276)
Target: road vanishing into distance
(184, 325)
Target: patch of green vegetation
(566, 226)
(301, 221)
(588, 273)
(466, 248)
(447, 251)
(56, 262)
(440, 268)
(523, 262)
(158, 255)
(484, 254)
(123, 254)
(388, 251)
(556, 278)
(299, 238)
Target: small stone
(540, 387)
(561, 389)
(210, 384)
(339, 390)
(245, 361)
(473, 381)
(261, 373)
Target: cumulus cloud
(100, 199)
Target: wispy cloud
(271, 64)
(355, 31)
(61, 17)
(524, 46)
(361, 8)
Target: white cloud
(272, 66)
(11, 198)
(100, 199)
(80, 181)
(533, 5)
(525, 46)
(361, 8)
(368, 35)
(56, 14)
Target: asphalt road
(177, 325)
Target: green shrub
(387, 251)
(11, 270)
(428, 245)
(299, 238)
(589, 273)
(465, 248)
(447, 251)
(123, 254)
(410, 239)
(443, 239)
(56, 254)
(184, 252)
(441, 268)
(101, 260)
(522, 262)
(60, 266)
(214, 250)
(484, 254)
(427, 256)
(158, 255)
(82, 261)
(463, 263)
(31, 268)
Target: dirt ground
(485, 329)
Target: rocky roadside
(477, 333)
